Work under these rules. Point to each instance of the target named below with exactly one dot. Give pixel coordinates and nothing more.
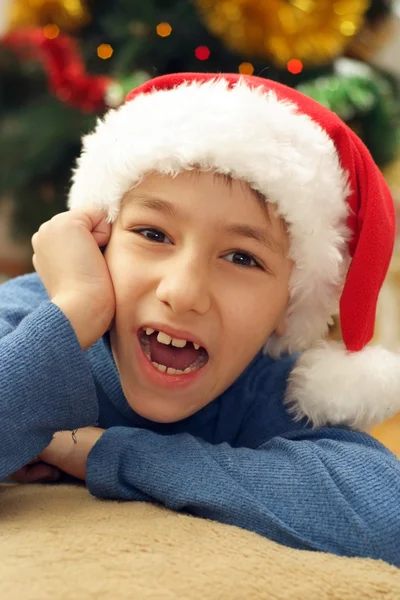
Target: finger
(37, 472)
(33, 239)
(96, 221)
(21, 473)
(42, 472)
(102, 231)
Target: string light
(246, 68)
(164, 29)
(294, 66)
(202, 52)
(104, 51)
(51, 31)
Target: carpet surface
(59, 543)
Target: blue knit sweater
(240, 460)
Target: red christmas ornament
(64, 66)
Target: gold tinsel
(314, 31)
(69, 15)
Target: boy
(236, 206)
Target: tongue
(176, 358)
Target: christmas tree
(64, 63)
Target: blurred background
(63, 63)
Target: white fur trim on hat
(330, 385)
(252, 135)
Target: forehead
(230, 182)
(199, 179)
(216, 201)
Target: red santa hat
(325, 185)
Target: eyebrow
(254, 233)
(158, 204)
(247, 231)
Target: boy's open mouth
(170, 355)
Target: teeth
(178, 343)
(161, 368)
(163, 338)
(171, 371)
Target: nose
(184, 286)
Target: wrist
(75, 460)
(70, 452)
(58, 453)
(88, 322)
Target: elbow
(385, 537)
(376, 536)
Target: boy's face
(200, 260)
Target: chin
(162, 414)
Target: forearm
(46, 386)
(303, 494)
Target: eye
(153, 235)
(243, 259)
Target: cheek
(129, 277)
(252, 315)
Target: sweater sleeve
(45, 381)
(331, 490)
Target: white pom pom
(332, 386)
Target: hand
(69, 452)
(74, 272)
(36, 472)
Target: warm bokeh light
(202, 52)
(246, 68)
(348, 28)
(104, 51)
(164, 29)
(51, 31)
(294, 66)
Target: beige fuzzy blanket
(59, 543)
